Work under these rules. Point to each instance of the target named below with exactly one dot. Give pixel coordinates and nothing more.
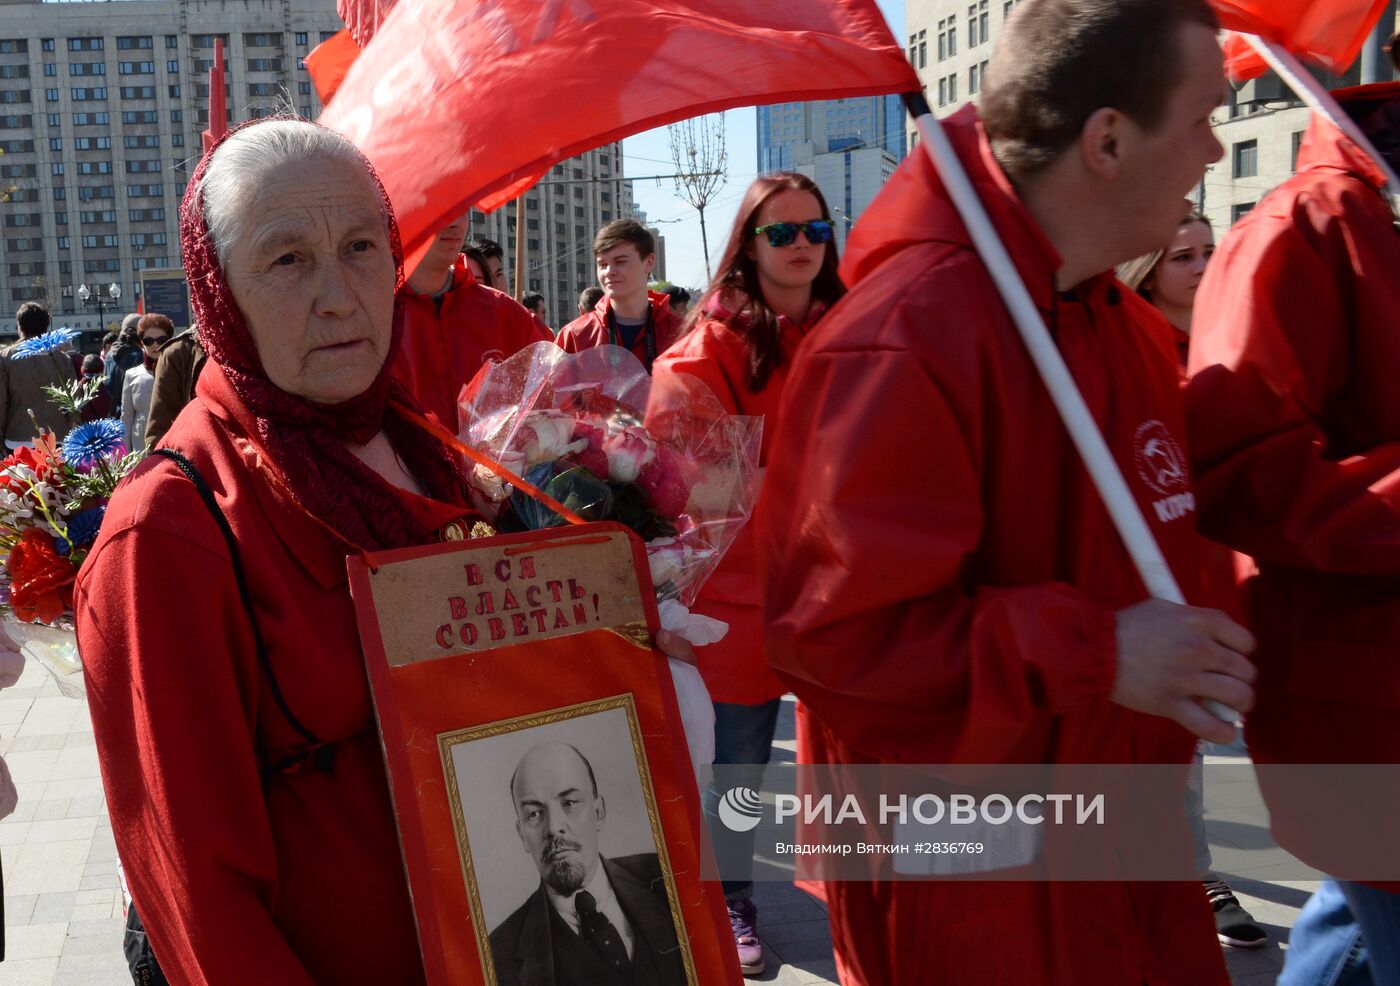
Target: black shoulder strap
(317, 749)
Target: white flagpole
(1288, 68)
(1103, 469)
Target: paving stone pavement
(63, 912)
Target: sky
(649, 153)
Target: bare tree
(697, 148)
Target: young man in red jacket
(1295, 436)
(628, 315)
(944, 584)
(454, 325)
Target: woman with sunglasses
(776, 280)
(139, 382)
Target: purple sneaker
(743, 921)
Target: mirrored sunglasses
(818, 231)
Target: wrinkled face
(557, 816)
(623, 272)
(313, 275)
(797, 264)
(1178, 274)
(1161, 167)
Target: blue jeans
(1378, 914)
(1348, 934)
(743, 735)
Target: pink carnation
(629, 451)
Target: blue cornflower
(47, 343)
(89, 443)
(82, 529)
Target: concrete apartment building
(101, 109)
(1261, 125)
(562, 214)
(849, 147)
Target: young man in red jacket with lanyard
(628, 315)
(944, 583)
(1295, 436)
(454, 325)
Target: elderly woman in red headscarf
(237, 739)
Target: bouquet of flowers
(52, 500)
(595, 432)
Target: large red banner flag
(462, 103)
(1328, 33)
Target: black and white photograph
(562, 850)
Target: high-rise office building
(101, 109)
(849, 147)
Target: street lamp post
(85, 294)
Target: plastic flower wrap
(596, 433)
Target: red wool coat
(591, 328)
(443, 350)
(296, 882)
(942, 576)
(735, 669)
(1295, 435)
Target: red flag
(218, 101)
(1329, 33)
(461, 103)
(363, 17)
(329, 61)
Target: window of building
(94, 167)
(55, 120)
(47, 44)
(973, 79)
(263, 89)
(953, 88)
(1246, 159)
(138, 92)
(172, 66)
(60, 193)
(175, 91)
(177, 140)
(50, 95)
(301, 38)
(141, 167)
(86, 95)
(1240, 210)
(261, 40)
(303, 89)
(172, 41)
(131, 43)
(943, 92)
(264, 65)
(15, 46)
(138, 116)
(177, 116)
(14, 71)
(140, 140)
(207, 40)
(943, 40)
(81, 44)
(63, 243)
(87, 68)
(56, 168)
(136, 68)
(50, 70)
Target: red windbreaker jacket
(591, 328)
(1295, 436)
(942, 576)
(735, 669)
(295, 881)
(442, 350)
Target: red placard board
(535, 750)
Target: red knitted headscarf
(305, 441)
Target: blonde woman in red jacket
(778, 276)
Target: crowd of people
(930, 569)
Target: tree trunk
(705, 244)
